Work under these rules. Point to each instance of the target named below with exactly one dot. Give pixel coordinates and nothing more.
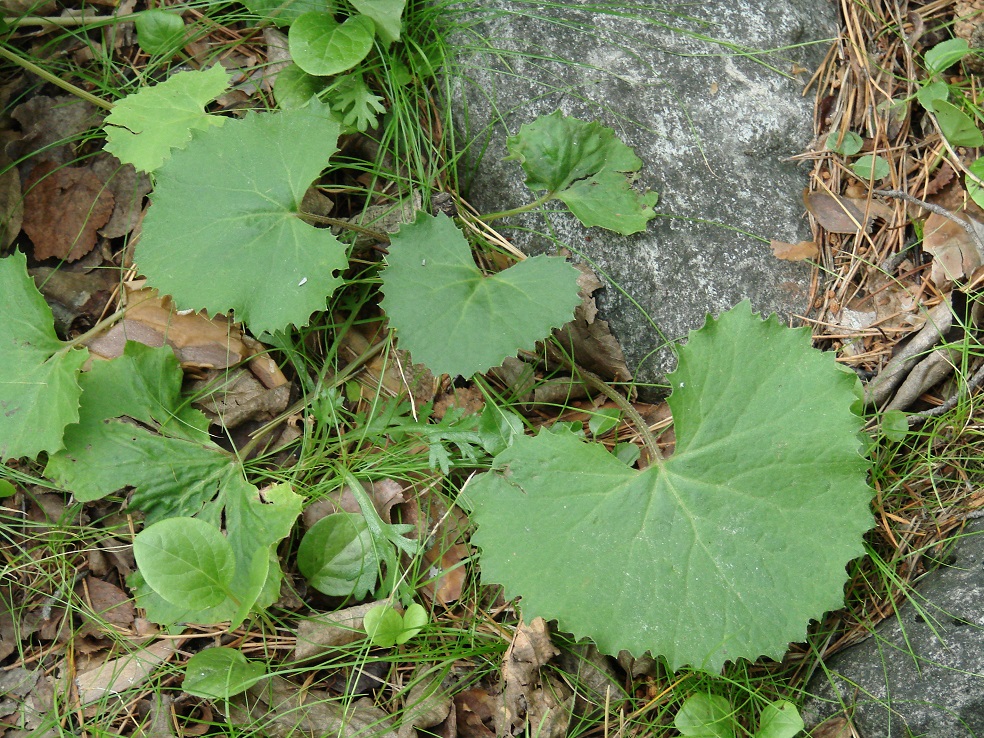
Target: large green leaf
(715, 554)
(39, 389)
(223, 232)
(583, 165)
(283, 12)
(456, 320)
(144, 127)
(386, 14)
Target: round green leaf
(186, 561)
(160, 31)
(957, 127)
(337, 557)
(219, 673)
(849, 145)
(224, 234)
(895, 425)
(871, 167)
(383, 625)
(294, 87)
(456, 320)
(714, 554)
(705, 716)
(779, 719)
(414, 620)
(322, 46)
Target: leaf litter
(847, 215)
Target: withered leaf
(955, 253)
(110, 604)
(844, 214)
(63, 209)
(52, 124)
(795, 251)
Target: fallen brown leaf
(323, 633)
(955, 253)
(475, 710)
(845, 214)
(52, 124)
(524, 698)
(795, 251)
(118, 675)
(64, 207)
(110, 606)
(428, 702)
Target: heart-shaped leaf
(456, 320)
(224, 233)
(583, 165)
(714, 554)
(337, 556)
(143, 128)
(779, 719)
(187, 561)
(39, 388)
(219, 673)
(321, 46)
(705, 716)
(160, 31)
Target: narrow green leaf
(386, 14)
(223, 233)
(160, 31)
(337, 557)
(958, 128)
(322, 46)
(144, 127)
(186, 561)
(723, 533)
(39, 389)
(456, 320)
(705, 716)
(220, 673)
(944, 55)
(779, 719)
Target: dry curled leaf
(529, 651)
(63, 209)
(844, 214)
(955, 251)
(795, 251)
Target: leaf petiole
(517, 211)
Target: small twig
(972, 384)
(941, 211)
(57, 81)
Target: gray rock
(713, 128)
(922, 672)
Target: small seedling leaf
(39, 387)
(337, 556)
(705, 716)
(223, 232)
(974, 188)
(220, 673)
(7, 489)
(723, 533)
(383, 625)
(294, 87)
(957, 127)
(160, 31)
(779, 719)
(414, 620)
(386, 14)
(944, 55)
(583, 165)
(895, 425)
(928, 95)
(354, 102)
(458, 321)
(498, 427)
(186, 561)
(604, 420)
(322, 46)
(144, 128)
(849, 145)
(871, 167)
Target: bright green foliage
(7, 489)
(975, 190)
(716, 553)
(705, 716)
(871, 167)
(929, 94)
(386, 14)
(223, 233)
(895, 425)
(283, 12)
(337, 556)
(320, 45)
(583, 165)
(354, 102)
(711, 716)
(219, 673)
(294, 87)
(187, 561)
(456, 320)
(957, 127)
(160, 31)
(143, 128)
(849, 145)
(39, 389)
(603, 420)
(944, 55)
(387, 628)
